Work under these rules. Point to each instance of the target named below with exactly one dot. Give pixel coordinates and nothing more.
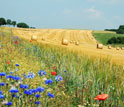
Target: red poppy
(53, 73)
(102, 97)
(54, 67)
(8, 62)
(16, 42)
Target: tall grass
(83, 80)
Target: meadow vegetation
(81, 77)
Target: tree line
(120, 30)
(3, 21)
(116, 40)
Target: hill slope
(87, 43)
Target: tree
(2, 21)
(8, 22)
(14, 23)
(22, 25)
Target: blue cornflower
(16, 69)
(2, 74)
(34, 91)
(41, 73)
(16, 78)
(1, 96)
(30, 75)
(37, 102)
(37, 95)
(16, 64)
(0, 92)
(50, 81)
(40, 89)
(9, 76)
(27, 92)
(58, 78)
(50, 95)
(2, 84)
(9, 103)
(13, 91)
(23, 86)
(65, 71)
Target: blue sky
(67, 14)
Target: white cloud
(93, 13)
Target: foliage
(2, 21)
(116, 40)
(14, 23)
(8, 22)
(22, 25)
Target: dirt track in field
(87, 43)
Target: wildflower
(30, 75)
(54, 67)
(2, 74)
(1, 96)
(40, 89)
(13, 95)
(50, 95)
(16, 64)
(34, 91)
(37, 96)
(37, 102)
(2, 84)
(13, 91)
(16, 42)
(5, 101)
(27, 92)
(9, 76)
(16, 78)
(58, 78)
(16, 69)
(53, 73)
(64, 70)
(23, 86)
(50, 81)
(9, 103)
(0, 92)
(41, 73)
(44, 79)
(8, 62)
(102, 97)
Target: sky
(65, 14)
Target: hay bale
(99, 46)
(122, 48)
(76, 43)
(43, 38)
(34, 38)
(117, 48)
(64, 42)
(109, 47)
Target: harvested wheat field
(80, 41)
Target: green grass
(104, 37)
(83, 80)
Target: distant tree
(14, 23)
(22, 25)
(120, 31)
(121, 27)
(2, 21)
(8, 22)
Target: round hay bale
(64, 42)
(43, 38)
(76, 43)
(99, 46)
(122, 48)
(109, 47)
(117, 48)
(34, 38)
